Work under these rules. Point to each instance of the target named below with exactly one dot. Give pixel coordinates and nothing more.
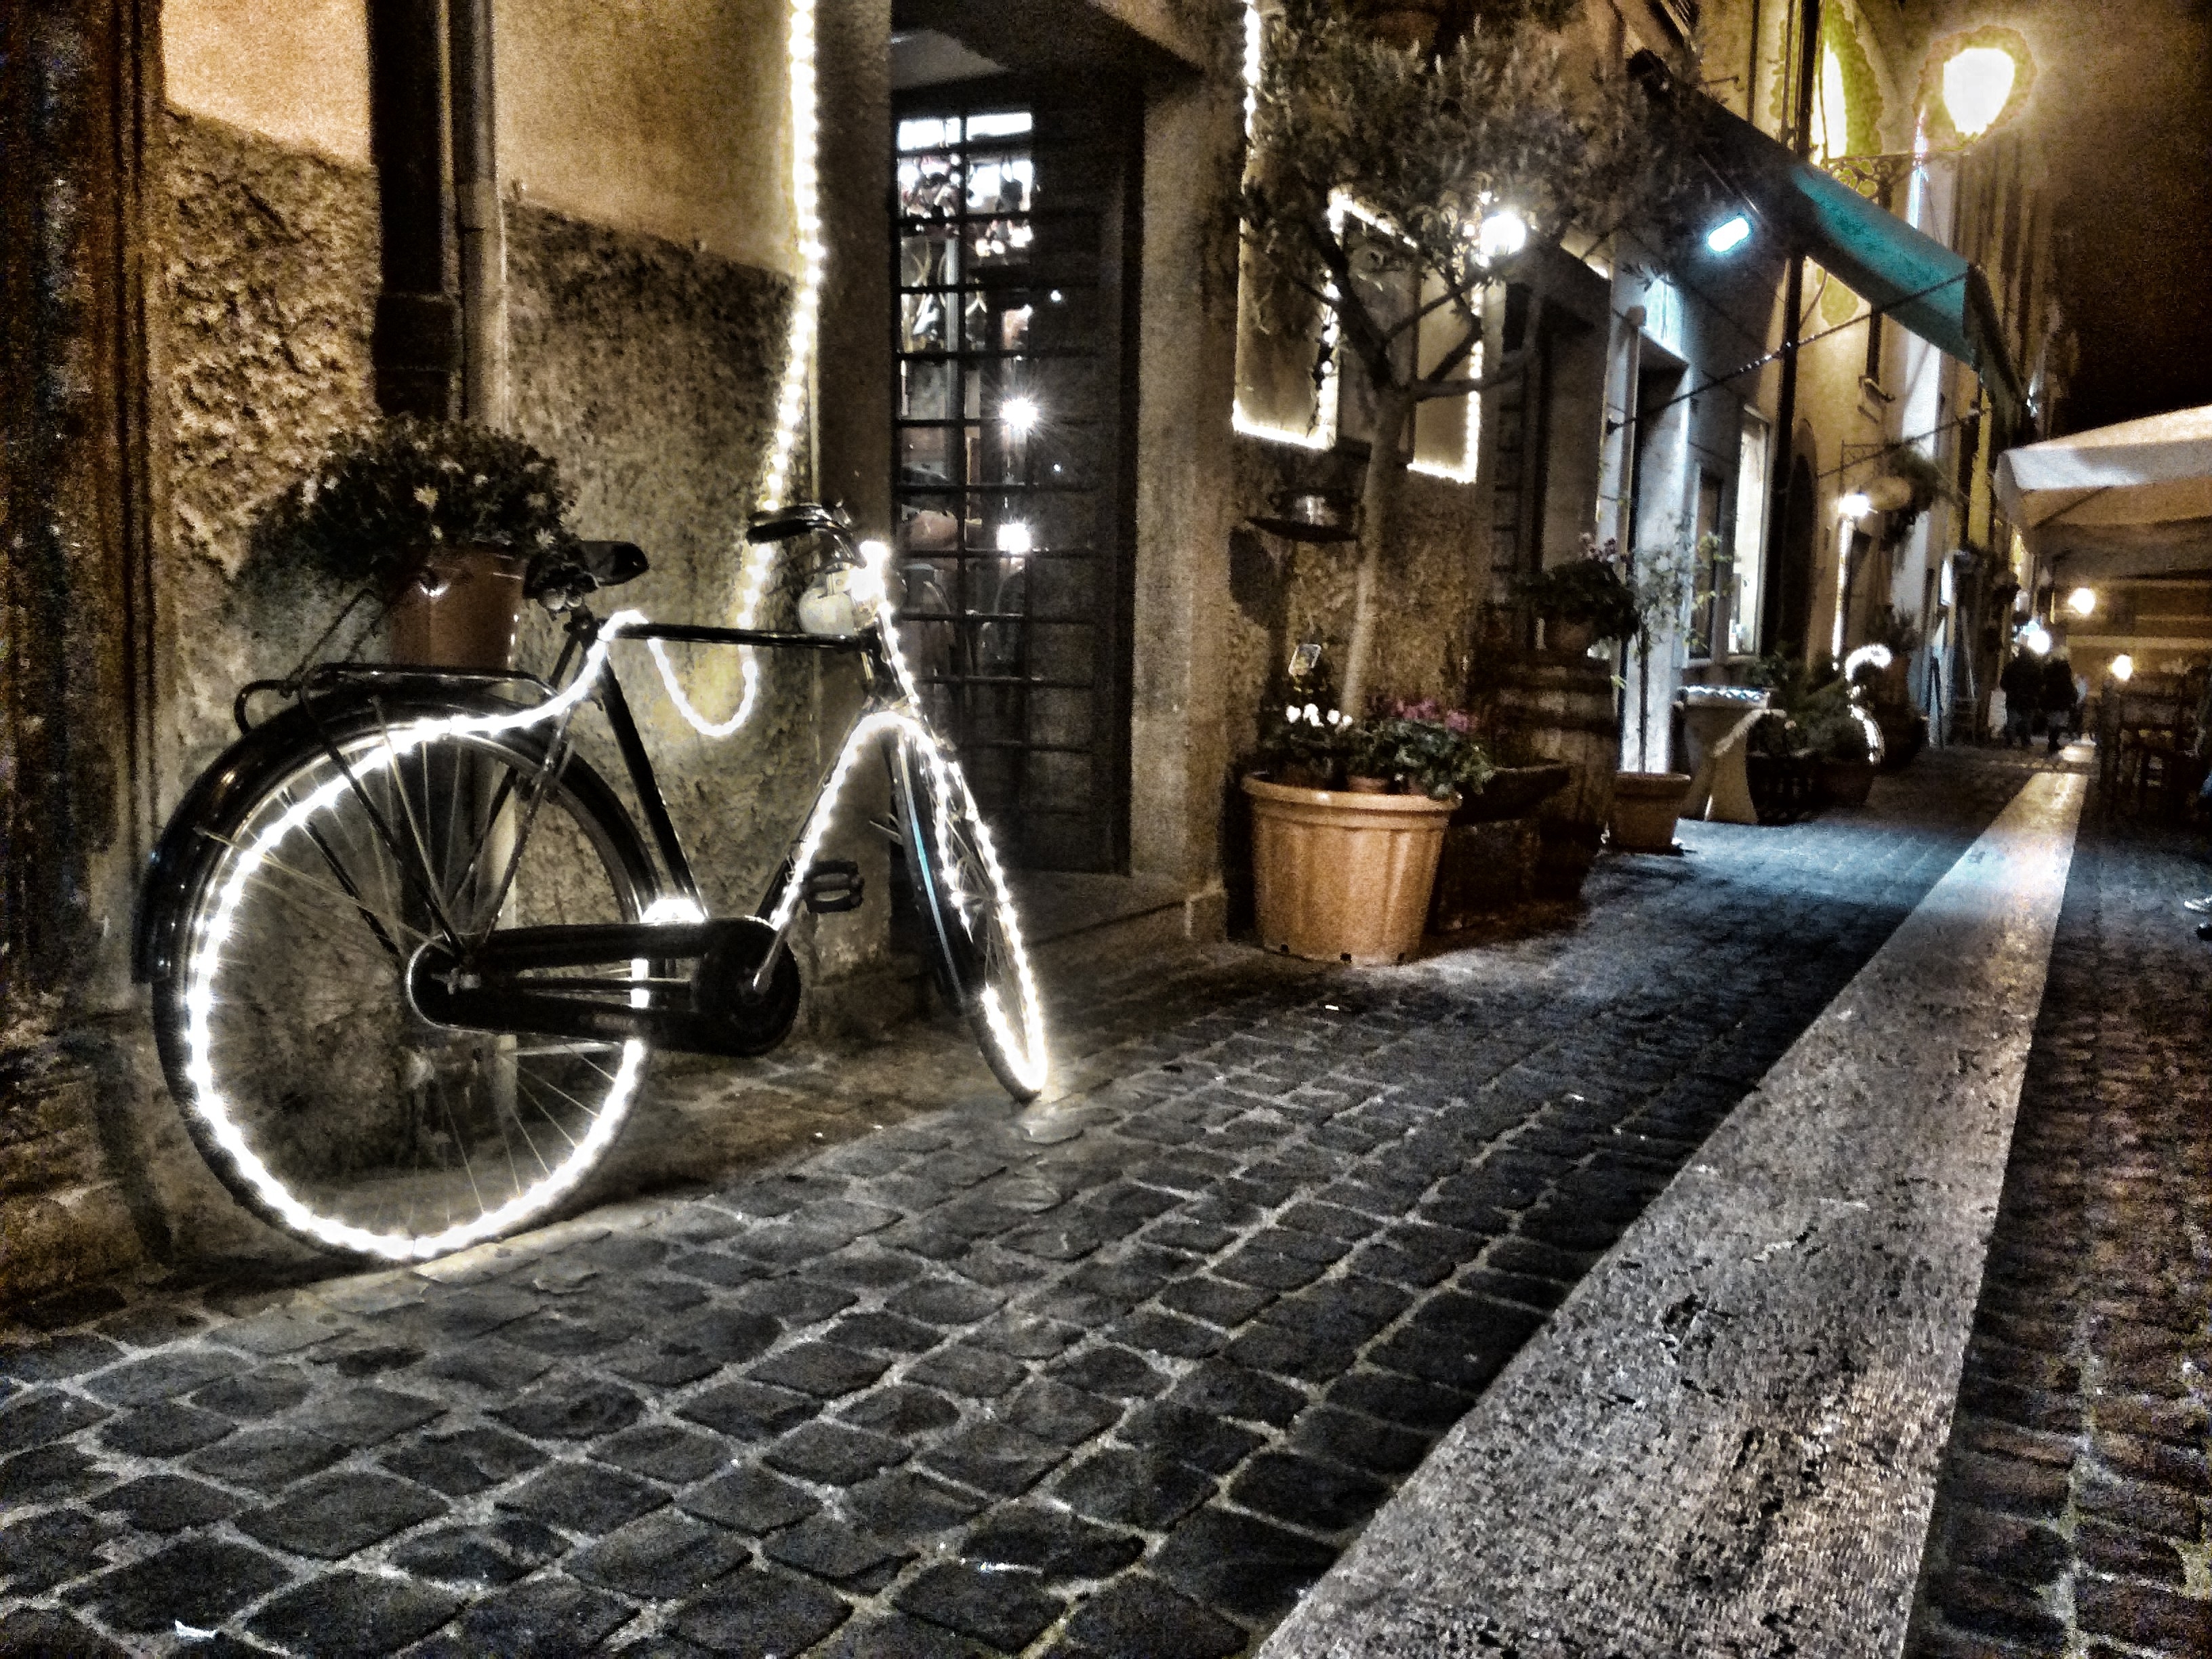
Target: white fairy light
(1876, 656)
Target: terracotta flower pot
(1645, 805)
(1343, 878)
(462, 609)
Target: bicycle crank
(538, 980)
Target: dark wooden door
(1014, 234)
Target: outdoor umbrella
(2130, 500)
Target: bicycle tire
(316, 1093)
(960, 890)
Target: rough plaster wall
(268, 265)
(649, 373)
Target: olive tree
(1391, 186)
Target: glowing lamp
(1021, 415)
(2123, 668)
(1856, 505)
(1977, 85)
(1729, 234)
(1502, 234)
(2082, 601)
(1016, 539)
(2036, 637)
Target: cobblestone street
(938, 1390)
(2072, 1518)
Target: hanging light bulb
(1977, 85)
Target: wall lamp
(1729, 234)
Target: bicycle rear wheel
(960, 890)
(320, 1096)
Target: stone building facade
(201, 231)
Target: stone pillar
(1187, 502)
(79, 87)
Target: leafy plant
(1433, 751)
(1591, 589)
(1430, 750)
(1661, 582)
(1464, 161)
(384, 497)
(1813, 708)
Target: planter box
(1485, 867)
(1783, 788)
(1343, 878)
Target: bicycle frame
(472, 984)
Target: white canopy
(2134, 499)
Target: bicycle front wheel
(316, 1091)
(960, 890)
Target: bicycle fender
(245, 771)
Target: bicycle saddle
(800, 518)
(561, 578)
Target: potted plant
(1583, 600)
(1646, 805)
(447, 520)
(1344, 874)
(1470, 159)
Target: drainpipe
(1793, 304)
(476, 204)
(414, 344)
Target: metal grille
(1008, 407)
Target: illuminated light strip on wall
(797, 370)
(1321, 434)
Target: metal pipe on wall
(1778, 631)
(482, 231)
(415, 343)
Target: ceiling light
(1729, 234)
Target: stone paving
(2075, 1508)
(941, 1390)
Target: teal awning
(1938, 294)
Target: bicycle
(410, 951)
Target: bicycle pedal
(834, 886)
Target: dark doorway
(1790, 587)
(1014, 232)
